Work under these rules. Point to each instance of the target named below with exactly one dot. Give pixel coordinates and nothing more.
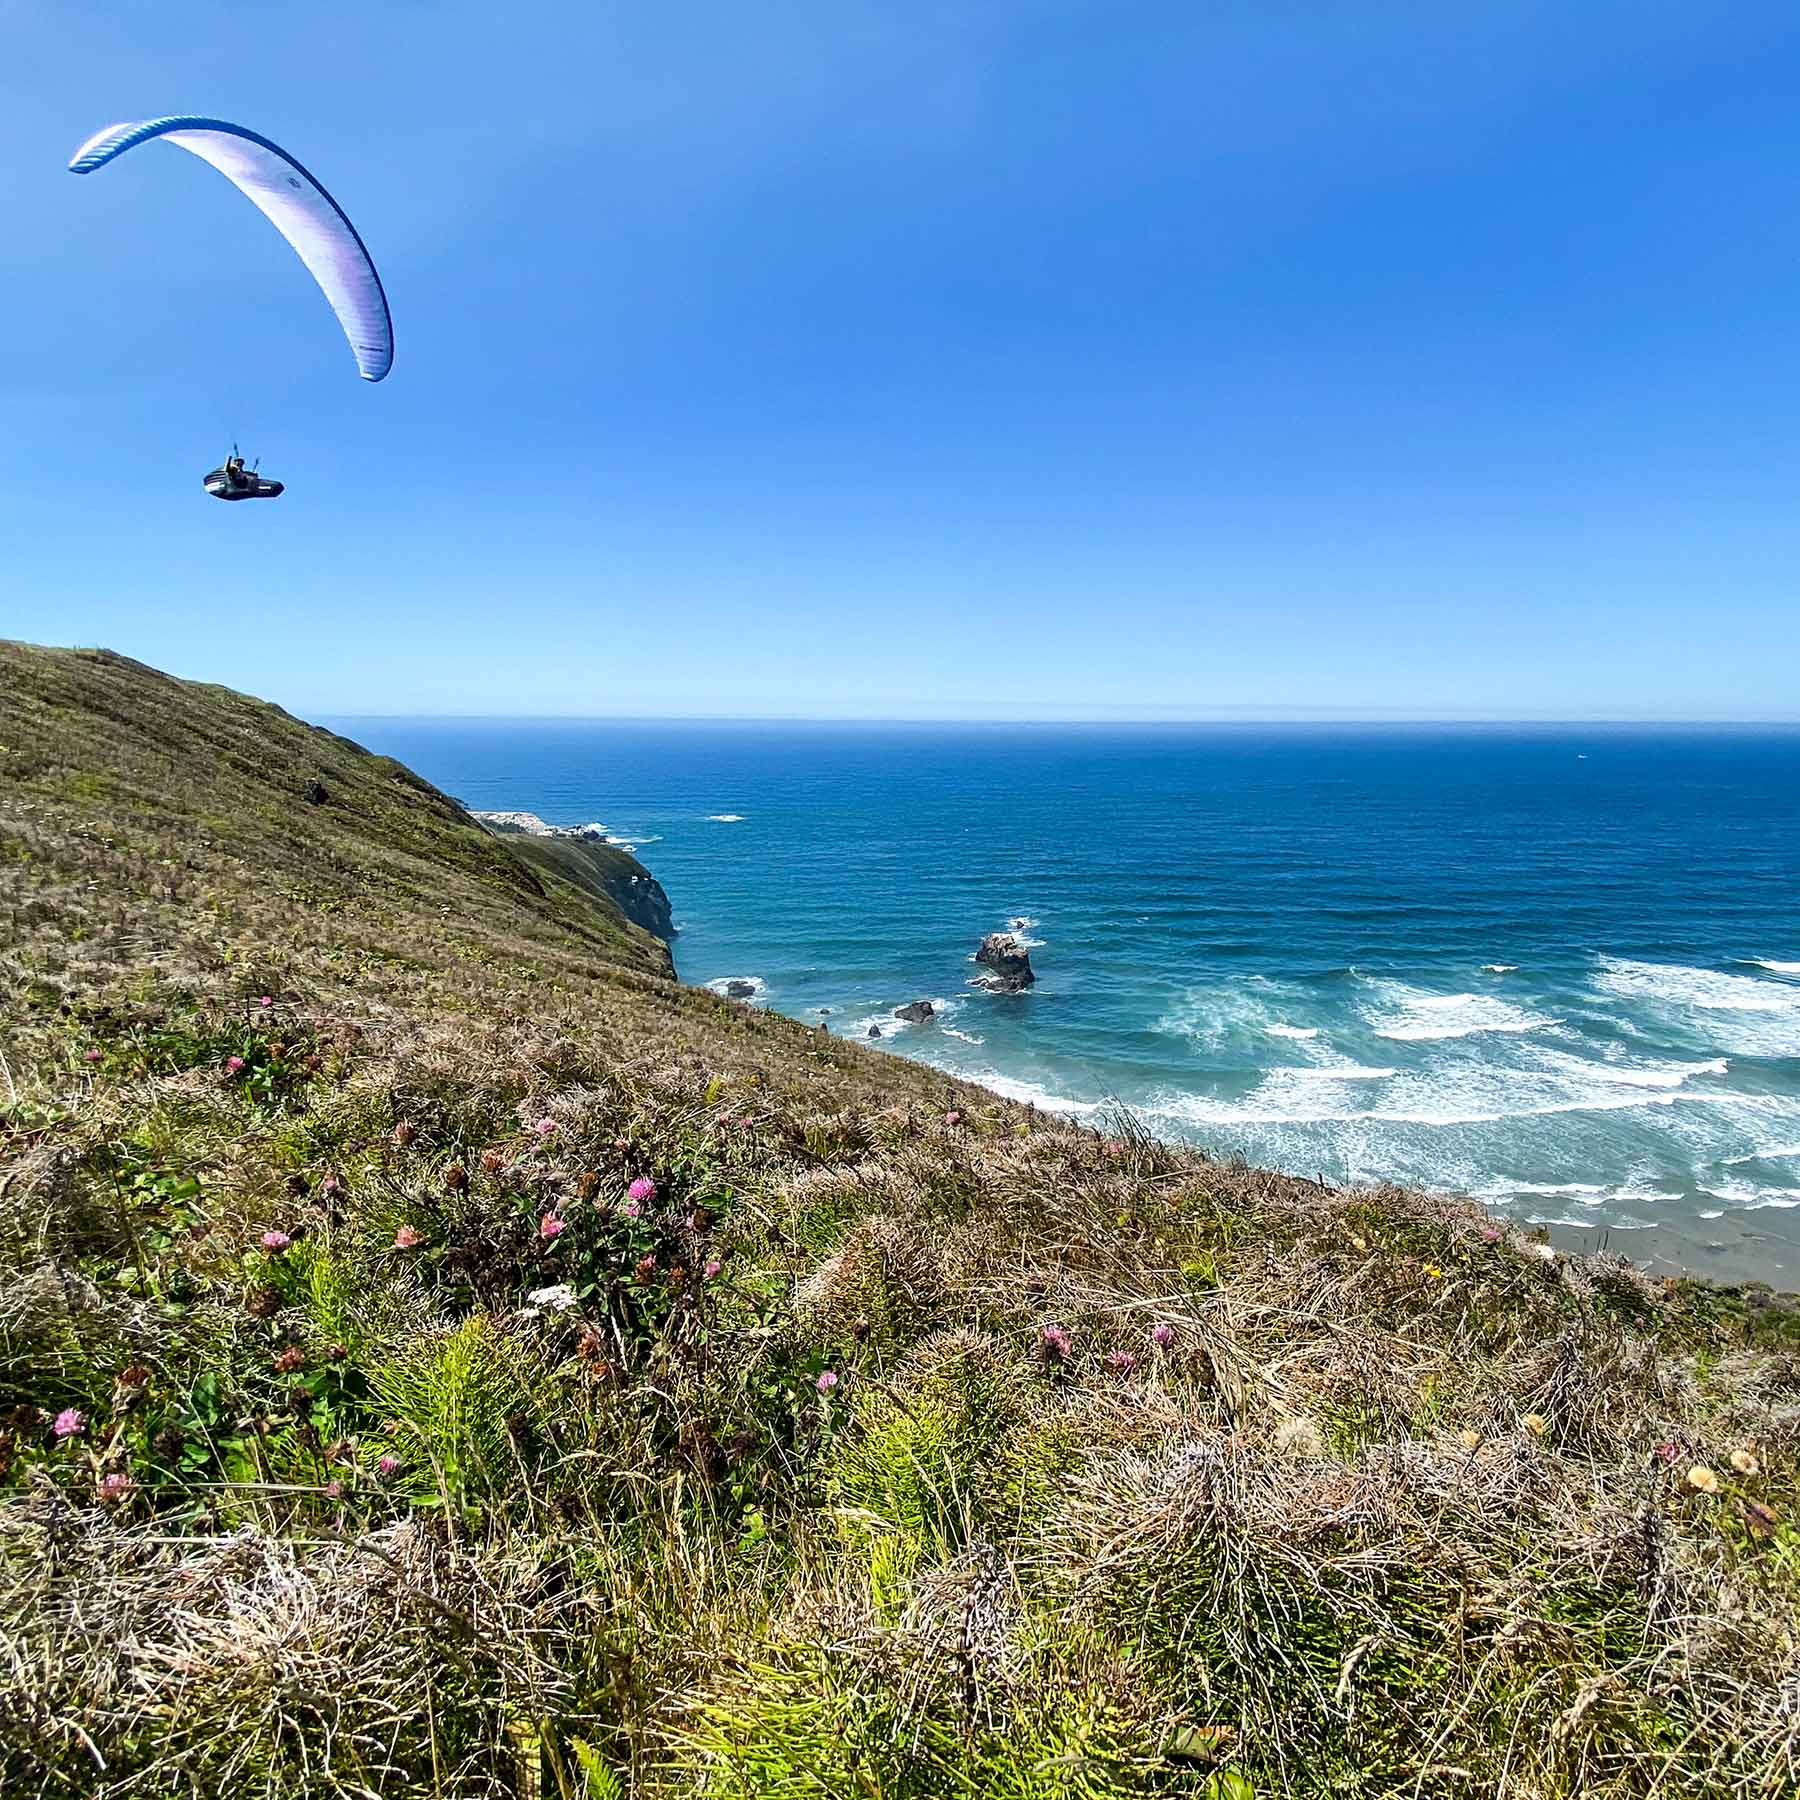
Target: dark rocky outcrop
(640, 897)
(585, 856)
(602, 872)
(740, 990)
(916, 1012)
(875, 1031)
(1010, 961)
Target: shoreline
(1725, 1250)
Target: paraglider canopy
(293, 201)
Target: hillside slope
(220, 803)
(441, 1356)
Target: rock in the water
(874, 1031)
(740, 990)
(916, 1012)
(1002, 952)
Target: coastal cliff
(441, 1355)
(587, 861)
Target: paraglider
(294, 203)
(232, 481)
(305, 214)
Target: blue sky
(924, 359)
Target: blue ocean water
(1556, 968)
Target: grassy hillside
(225, 818)
(441, 1356)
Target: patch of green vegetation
(801, 1723)
(441, 1357)
(925, 1457)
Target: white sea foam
(892, 1026)
(1297, 1097)
(725, 818)
(1408, 1114)
(1583, 1193)
(1776, 968)
(1411, 1015)
(1777, 1153)
(1032, 1093)
(1709, 989)
(1654, 1075)
(720, 983)
(1664, 1077)
(1213, 1015)
(968, 1037)
(1713, 1129)
(1751, 1196)
(1587, 1192)
(1499, 968)
(1650, 1078)
(1592, 1204)
(1748, 1014)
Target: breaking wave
(1746, 1014)
(1236, 1016)
(721, 983)
(1413, 1015)
(1032, 1093)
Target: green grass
(870, 1454)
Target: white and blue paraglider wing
(293, 202)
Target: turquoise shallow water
(1557, 968)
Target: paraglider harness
(232, 481)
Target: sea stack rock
(740, 990)
(916, 1012)
(1007, 956)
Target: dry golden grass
(892, 1441)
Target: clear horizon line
(1144, 715)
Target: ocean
(1555, 968)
